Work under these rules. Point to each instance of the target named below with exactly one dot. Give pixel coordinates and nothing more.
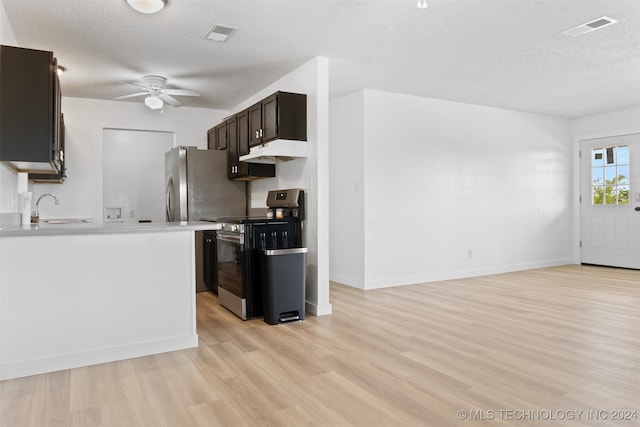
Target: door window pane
(623, 155)
(623, 195)
(598, 176)
(598, 157)
(597, 195)
(623, 175)
(610, 170)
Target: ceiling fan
(156, 92)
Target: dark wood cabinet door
(255, 124)
(243, 133)
(232, 147)
(232, 133)
(221, 136)
(28, 107)
(232, 164)
(270, 118)
(211, 139)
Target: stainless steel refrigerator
(197, 188)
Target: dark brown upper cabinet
(211, 139)
(282, 115)
(239, 146)
(222, 137)
(30, 113)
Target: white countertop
(75, 228)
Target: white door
(610, 194)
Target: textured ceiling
(502, 53)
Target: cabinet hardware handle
(261, 133)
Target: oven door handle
(238, 238)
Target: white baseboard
(94, 357)
(461, 274)
(317, 310)
(347, 280)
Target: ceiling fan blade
(169, 100)
(134, 84)
(182, 92)
(130, 96)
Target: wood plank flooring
(530, 348)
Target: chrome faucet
(35, 215)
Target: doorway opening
(133, 174)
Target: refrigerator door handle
(169, 200)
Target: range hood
(279, 150)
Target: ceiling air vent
(220, 33)
(587, 27)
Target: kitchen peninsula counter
(78, 294)
(76, 226)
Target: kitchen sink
(65, 221)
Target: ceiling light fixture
(422, 4)
(147, 6)
(61, 70)
(153, 101)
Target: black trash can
(283, 275)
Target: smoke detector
(587, 27)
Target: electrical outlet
(113, 215)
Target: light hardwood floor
(523, 349)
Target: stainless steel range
(239, 241)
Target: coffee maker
(286, 204)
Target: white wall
(6, 32)
(614, 123)
(455, 190)
(347, 159)
(602, 125)
(310, 173)
(85, 119)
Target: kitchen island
(78, 294)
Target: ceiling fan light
(147, 6)
(153, 102)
